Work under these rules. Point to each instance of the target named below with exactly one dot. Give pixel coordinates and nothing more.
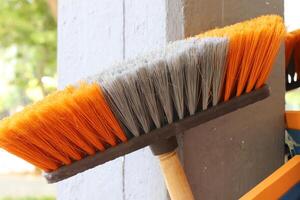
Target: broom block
(158, 134)
(174, 176)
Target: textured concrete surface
(91, 35)
(144, 29)
(86, 44)
(226, 157)
(233, 153)
(201, 15)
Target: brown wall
(201, 15)
(226, 157)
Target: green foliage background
(27, 198)
(27, 53)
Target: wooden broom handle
(176, 181)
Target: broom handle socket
(176, 181)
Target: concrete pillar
(223, 158)
(86, 44)
(91, 35)
(145, 29)
(226, 157)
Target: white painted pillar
(145, 29)
(91, 35)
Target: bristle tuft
(219, 54)
(146, 87)
(192, 77)
(161, 77)
(66, 126)
(175, 63)
(252, 49)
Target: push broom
(147, 101)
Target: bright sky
(292, 14)
(12, 164)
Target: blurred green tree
(27, 53)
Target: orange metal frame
(278, 183)
(293, 119)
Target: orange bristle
(18, 144)
(289, 46)
(95, 115)
(109, 118)
(297, 57)
(63, 125)
(66, 126)
(270, 55)
(292, 49)
(292, 44)
(252, 49)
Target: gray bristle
(135, 100)
(220, 55)
(115, 95)
(192, 78)
(206, 71)
(147, 90)
(160, 74)
(175, 63)
(212, 69)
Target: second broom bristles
(155, 90)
